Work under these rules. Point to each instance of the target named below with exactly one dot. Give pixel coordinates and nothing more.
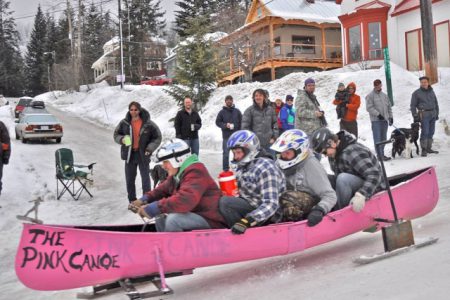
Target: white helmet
(249, 143)
(175, 151)
(296, 140)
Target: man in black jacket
(229, 120)
(187, 125)
(5, 149)
(139, 137)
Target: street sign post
(387, 71)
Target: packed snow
(323, 272)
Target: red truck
(157, 80)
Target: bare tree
(247, 54)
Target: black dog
(158, 175)
(403, 138)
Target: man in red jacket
(188, 199)
(348, 121)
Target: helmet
(249, 143)
(175, 151)
(320, 139)
(296, 140)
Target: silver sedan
(38, 126)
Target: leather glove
(357, 202)
(143, 213)
(380, 117)
(241, 226)
(138, 203)
(416, 118)
(391, 121)
(315, 216)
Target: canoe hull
(53, 257)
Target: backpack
(296, 205)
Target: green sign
(387, 70)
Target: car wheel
(17, 136)
(24, 140)
(58, 140)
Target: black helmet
(320, 140)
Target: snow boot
(424, 146)
(429, 150)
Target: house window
(354, 37)
(300, 44)
(375, 51)
(153, 65)
(277, 46)
(259, 12)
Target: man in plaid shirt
(260, 183)
(357, 171)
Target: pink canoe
(56, 257)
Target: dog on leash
(158, 175)
(404, 138)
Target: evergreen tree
(11, 64)
(190, 9)
(196, 71)
(63, 45)
(92, 47)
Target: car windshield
(40, 119)
(24, 102)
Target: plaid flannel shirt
(260, 183)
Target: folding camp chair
(69, 176)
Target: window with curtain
(354, 38)
(375, 51)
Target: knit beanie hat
(309, 81)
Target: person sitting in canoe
(260, 182)
(357, 171)
(188, 199)
(306, 179)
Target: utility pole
(121, 45)
(429, 42)
(78, 66)
(69, 18)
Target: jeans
(346, 185)
(427, 127)
(233, 209)
(225, 155)
(350, 126)
(194, 145)
(131, 171)
(177, 222)
(379, 132)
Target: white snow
(319, 12)
(323, 272)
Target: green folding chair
(68, 175)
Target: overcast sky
(24, 10)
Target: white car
(38, 126)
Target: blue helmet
(248, 142)
(296, 140)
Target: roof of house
(406, 6)
(320, 11)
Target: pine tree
(36, 66)
(190, 9)
(50, 47)
(11, 63)
(196, 71)
(63, 46)
(92, 47)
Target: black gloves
(416, 118)
(241, 226)
(315, 216)
(380, 117)
(391, 121)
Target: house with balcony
(280, 37)
(369, 26)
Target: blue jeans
(131, 171)
(427, 126)
(346, 185)
(379, 132)
(194, 145)
(225, 155)
(233, 209)
(177, 222)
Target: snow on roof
(319, 12)
(158, 40)
(99, 62)
(114, 40)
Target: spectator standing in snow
(260, 182)
(229, 120)
(139, 137)
(348, 121)
(187, 125)
(188, 199)
(380, 112)
(287, 114)
(261, 119)
(357, 171)
(5, 150)
(278, 106)
(425, 109)
(341, 100)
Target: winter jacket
(310, 177)
(354, 101)
(425, 102)
(5, 147)
(356, 159)
(287, 117)
(341, 101)
(277, 113)
(377, 103)
(260, 182)
(229, 115)
(183, 121)
(149, 136)
(262, 121)
(194, 191)
(305, 107)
